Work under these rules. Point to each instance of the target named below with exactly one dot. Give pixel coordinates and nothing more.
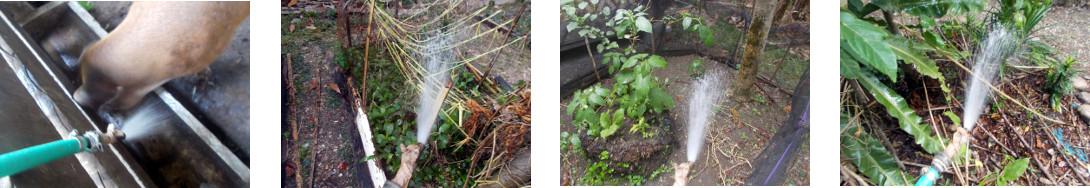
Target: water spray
(705, 95)
(91, 141)
(434, 88)
(997, 46)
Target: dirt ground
(322, 140)
(1069, 26)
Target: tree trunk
(755, 44)
(781, 12)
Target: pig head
(156, 42)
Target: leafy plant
(1011, 172)
(897, 107)
(870, 54)
(393, 120)
(86, 5)
(641, 126)
(696, 68)
(693, 23)
(869, 156)
(635, 91)
(601, 173)
(1057, 82)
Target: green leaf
(596, 99)
(865, 42)
(631, 62)
(1013, 170)
(903, 48)
(932, 8)
(849, 68)
(618, 116)
(608, 126)
(625, 78)
(643, 24)
(898, 108)
(642, 85)
(572, 107)
(588, 116)
(706, 35)
(603, 119)
(685, 23)
(368, 158)
(659, 99)
(858, 8)
(572, 26)
(657, 61)
(576, 142)
(934, 38)
(869, 156)
(909, 52)
(953, 117)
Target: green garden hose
(27, 158)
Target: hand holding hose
(681, 173)
(409, 154)
(942, 159)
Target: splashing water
(706, 92)
(435, 52)
(144, 121)
(997, 46)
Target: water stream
(144, 121)
(705, 95)
(996, 47)
(436, 54)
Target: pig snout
(97, 89)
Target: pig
(156, 42)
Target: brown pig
(156, 42)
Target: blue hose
(928, 177)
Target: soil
(321, 147)
(1068, 25)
